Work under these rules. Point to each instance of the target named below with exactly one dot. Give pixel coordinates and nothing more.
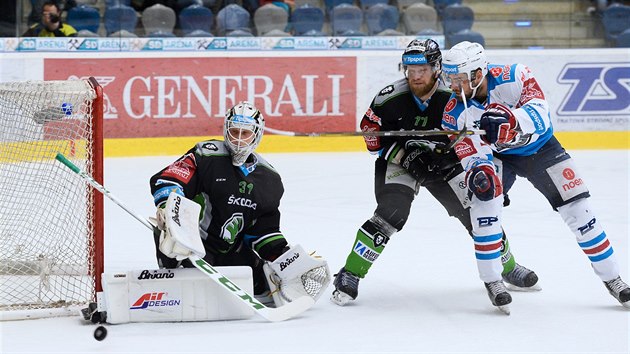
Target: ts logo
(598, 88)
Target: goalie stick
(281, 313)
(459, 133)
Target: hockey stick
(281, 313)
(461, 133)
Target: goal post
(51, 223)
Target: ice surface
(421, 296)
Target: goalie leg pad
(173, 295)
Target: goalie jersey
(239, 204)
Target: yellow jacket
(38, 30)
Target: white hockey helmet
(465, 57)
(242, 118)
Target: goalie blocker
(187, 295)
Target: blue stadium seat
(366, 4)
(330, 4)
(439, 5)
(623, 39)
(307, 20)
(616, 19)
(346, 20)
(239, 33)
(112, 3)
(456, 18)
(232, 17)
(120, 17)
(465, 35)
(84, 17)
(197, 19)
(381, 17)
(182, 4)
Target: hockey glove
(484, 183)
(418, 161)
(500, 125)
(444, 159)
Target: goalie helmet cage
(51, 222)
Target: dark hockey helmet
(423, 51)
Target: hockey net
(51, 222)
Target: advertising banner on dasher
(169, 97)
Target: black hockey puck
(100, 333)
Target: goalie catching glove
(297, 273)
(179, 225)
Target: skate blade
(626, 304)
(340, 298)
(505, 309)
(532, 288)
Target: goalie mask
(243, 130)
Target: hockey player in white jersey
(507, 102)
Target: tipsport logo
(154, 299)
(596, 89)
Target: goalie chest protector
(234, 200)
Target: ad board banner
(166, 97)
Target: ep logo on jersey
(596, 88)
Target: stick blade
(287, 311)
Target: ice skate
(499, 296)
(346, 287)
(521, 279)
(619, 290)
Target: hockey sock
(507, 259)
(487, 237)
(591, 238)
(368, 245)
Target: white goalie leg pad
(173, 295)
(180, 237)
(297, 273)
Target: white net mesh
(46, 228)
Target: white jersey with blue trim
(514, 87)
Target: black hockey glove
(418, 161)
(427, 163)
(443, 159)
